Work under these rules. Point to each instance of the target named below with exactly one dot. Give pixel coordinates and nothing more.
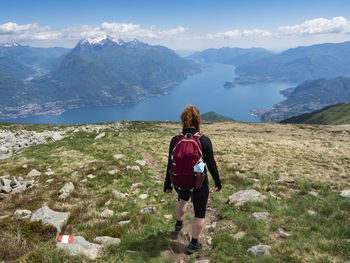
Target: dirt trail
(177, 248)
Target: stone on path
(124, 213)
(143, 196)
(22, 214)
(91, 176)
(113, 172)
(133, 186)
(14, 182)
(81, 246)
(118, 156)
(345, 193)
(24, 166)
(169, 217)
(107, 213)
(33, 173)
(259, 251)
(117, 194)
(253, 179)
(150, 209)
(315, 194)
(311, 212)
(141, 162)
(243, 196)
(134, 168)
(283, 234)
(51, 217)
(124, 222)
(102, 134)
(66, 190)
(84, 180)
(19, 189)
(202, 261)
(49, 173)
(261, 215)
(50, 180)
(4, 217)
(106, 240)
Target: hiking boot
(178, 227)
(191, 248)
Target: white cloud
(240, 34)
(12, 32)
(317, 26)
(311, 31)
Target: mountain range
(98, 72)
(307, 97)
(234, 56)
(299, 64)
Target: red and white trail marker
(65, 239)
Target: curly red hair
(190, 117)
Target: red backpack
(186, 153)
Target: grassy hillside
(334, 114)
(299, 168)
(213, 116)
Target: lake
(205, 90)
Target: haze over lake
(205, 90)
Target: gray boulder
(51, 217)
(22, 214)
(106, 240)
(345, 193)
(81, 246)
(107, 213)
(261, 215)
(141, 162)
(66, 190)
(149, 209)
(259, 251)
(6, 182)
(243, 196)
(19, 189)
(33, 173)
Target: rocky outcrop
(79, 245)
(345, 193)
(51, 217)
(107, 241)
(259, 251)
(14, 141)
(243, 196)
(15, 185)
(66, 190)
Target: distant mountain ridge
(331, 115)
(40, 59)
(299, 64)
(307, 97)
(227, 55)
(97, 72)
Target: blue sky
(178, 24)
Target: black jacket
(208, 157)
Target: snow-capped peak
(101, 40)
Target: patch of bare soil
(177, 249)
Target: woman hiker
(190, 118)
